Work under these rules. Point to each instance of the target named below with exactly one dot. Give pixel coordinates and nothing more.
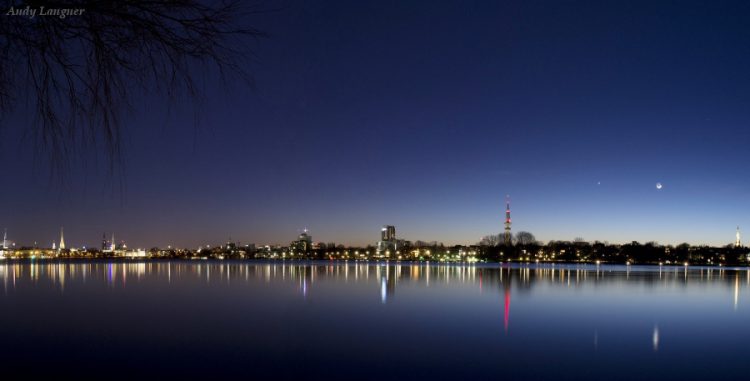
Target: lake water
(360, 320)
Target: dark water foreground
(357, 320)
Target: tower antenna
(507, 236)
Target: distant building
(32, 252)
(303, 243)
(139, 253)
(388, 244)
(388, 233)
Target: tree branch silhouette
(80, 74)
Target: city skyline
(577, 112)
(112, 243)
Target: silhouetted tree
(490, 240)
(524, 238)
(80, 73)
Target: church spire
(62, 240)
(737, 242)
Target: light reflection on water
(118, 274)
(562, 321)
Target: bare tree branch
(81, 73)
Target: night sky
(424, 115)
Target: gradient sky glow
(424, 115)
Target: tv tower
(507, 221)
(5, 239)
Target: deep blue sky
(425, 115)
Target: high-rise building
(388, 243)
(104, 241)
(303, 243)
(388, 233)
(62, 240)
(507, 237)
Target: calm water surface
(357, 320)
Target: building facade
(302, 244)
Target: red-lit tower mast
(507, 221)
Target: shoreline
(588, 265)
